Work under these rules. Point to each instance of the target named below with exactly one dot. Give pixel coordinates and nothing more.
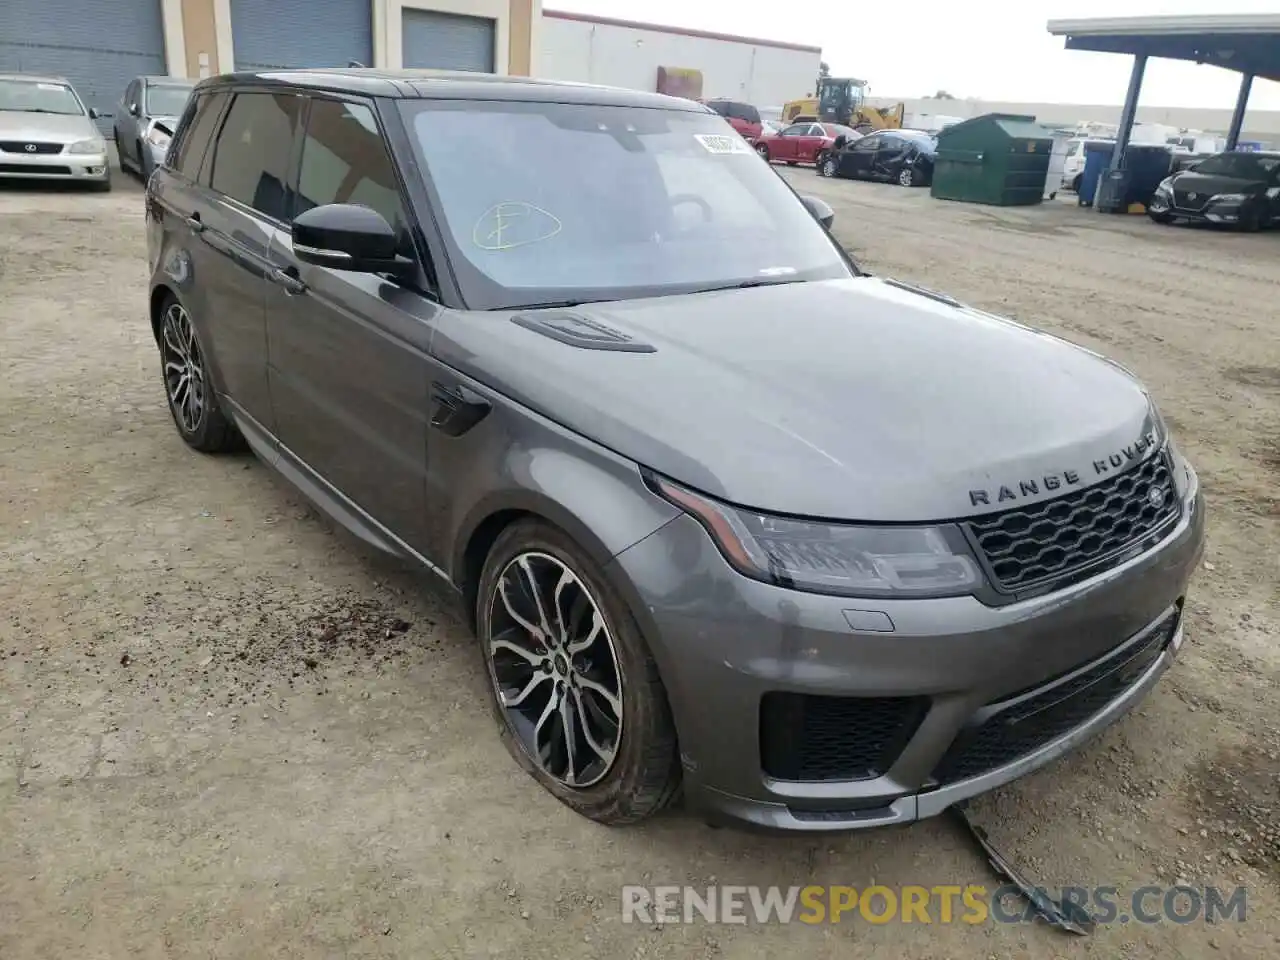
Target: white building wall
(629, 57)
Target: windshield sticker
(514, 223)
(722, 143)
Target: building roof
(1247, 43)
(678, 31)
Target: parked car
(802, 142)
(47, 133)
(1238, 189)
(1073, 162)
(833, 550)
(146, 118)
(743, 117)
(899, 156)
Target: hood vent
(580, 332)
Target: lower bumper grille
(1016, 726)
(34, 170)
(813, 738)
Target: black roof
(450, 85)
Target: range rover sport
(726, 512)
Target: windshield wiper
(749, 284)
(556, 304)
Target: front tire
(193, 402)
(763, 150)
(829, 167)
(576, 692)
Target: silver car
(47, 133)
(147, 117)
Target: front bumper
(86, 167)
(1228, 213)
(943, 684)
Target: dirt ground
(228, 730)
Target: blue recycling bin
(1096, 158)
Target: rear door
(889, 157)
(349, 373)
(245, 202)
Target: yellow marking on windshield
(491, 230)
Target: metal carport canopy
(1246, 43)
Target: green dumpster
(998, 158)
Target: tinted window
(194, 135)
(546, 201)
(251, 157)
(744, 111)
(345, 160)
(1244, 166)
(867, 144)
(719, 107)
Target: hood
(46, 127)
(852, 399)
(1208, 184)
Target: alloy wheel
(183, 368)
(907, 177)
(764, 152)
(828, 167)
(555, 669)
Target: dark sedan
(1238, 189)
(899, 156)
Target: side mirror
(94, 114)
(841, 141)
(347, 236)
(133, 110)
(821, 211)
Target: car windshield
(38, 96)
(167, 100)
(553, 202)
(1242, 166)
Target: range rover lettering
(726, 513)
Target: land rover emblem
(1155, 497)
(31, 148)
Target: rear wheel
(576, 691)
(192, 399)
(907, 177)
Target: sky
(987, 49)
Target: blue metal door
(446, 41)
(276, 34)
(99, 45)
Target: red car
(802, 142)
(743, 117)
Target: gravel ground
(228, 730)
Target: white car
(47, 133)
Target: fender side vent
(580, 332)
(923, 291)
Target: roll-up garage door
(446, 41)
(99, 45)
(277, 34)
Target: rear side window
(744, 111)
(194, 137)
(720, 107)
(251, 156)
(345, 160)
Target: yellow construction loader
(843, 100)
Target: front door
(856, 161)
(348, 359)
(787, 145)
(890, 157)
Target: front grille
(1182, 199)
(32, 170)
(1022, 724)
(1049, 541)
(20, 146)
(805, 737)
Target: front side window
(542, 202)
(34, 96)
(251, 156)
(796, 130)
(1242, 166)
(166, 100)
(867, 144)
(345, 160)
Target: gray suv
(726, 512)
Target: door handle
(457, 408)
(288, 278)
(195, 223)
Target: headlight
(1229, 198)
(88, 146)
(1165, 186)
(158, 137)
(853, 560)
